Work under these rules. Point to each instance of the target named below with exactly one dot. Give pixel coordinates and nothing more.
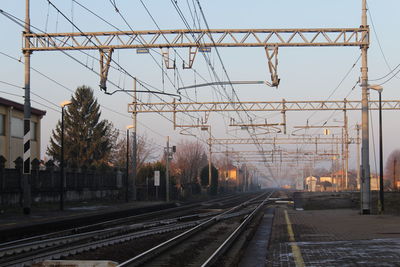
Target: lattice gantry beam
(198, 38)
(281, 140)
(277, 153)
(261, 106)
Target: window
(17, 127)
(33, 130)
(2, 131)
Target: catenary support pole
(365, 168)
(167, 171)
(346, 146)
(358, 158)
(127, 167)
(62, 178)
(209, 159)
(381, 196)
(134, 141)
(394, 175)
(27, 120)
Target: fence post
(35, 174)
(18, 166)
(2, 167)
(50, 169)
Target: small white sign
(156, 178)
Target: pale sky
(305, 73)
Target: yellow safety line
(298, 258)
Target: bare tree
(146, 151)
(188, 161)
(392, 169)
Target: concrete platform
(333, 238)
(45, 215)
(257, 250)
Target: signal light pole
(381, 205)
(62, 174)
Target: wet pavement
(333, 238)
(256, 252)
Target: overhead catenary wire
(225, 72)
(20, 23)
(154, 21)
(379, 42)
(90, 11)
(72, 91)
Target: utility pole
(358, 158)
(134, 141)
(381, 194)
(27, 119)
(365, 168)
(344, 184)
(337, 163)
(346, 147)
(167, 172)
(209, 159)
(394, 175)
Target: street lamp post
(62, 174)
(127, 164)
(379, 89)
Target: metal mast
(134, 140)
(27, 119)
(365, 168)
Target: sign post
(157, 181)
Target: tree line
(92, 141)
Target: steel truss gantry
(282, 140)
(262, 106)
(276, 152)
(196, 40)
(201, 40)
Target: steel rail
(229, 241)
(43, 249)
(110, 222)
(50, 253)
(151, 253)
(47, 253)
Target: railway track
(175, 252)
(69, 242)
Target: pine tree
(87, 139)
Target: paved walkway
(333, 238)
(256, 252)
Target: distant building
(299, 183)
(12, 131)
(311, 183)
(374, 182)
(325, 179)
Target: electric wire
(72, 91)
(379, 42)
(20, 23)
(154, 21)
(231, 85)
(90, 40)
(180, 13)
